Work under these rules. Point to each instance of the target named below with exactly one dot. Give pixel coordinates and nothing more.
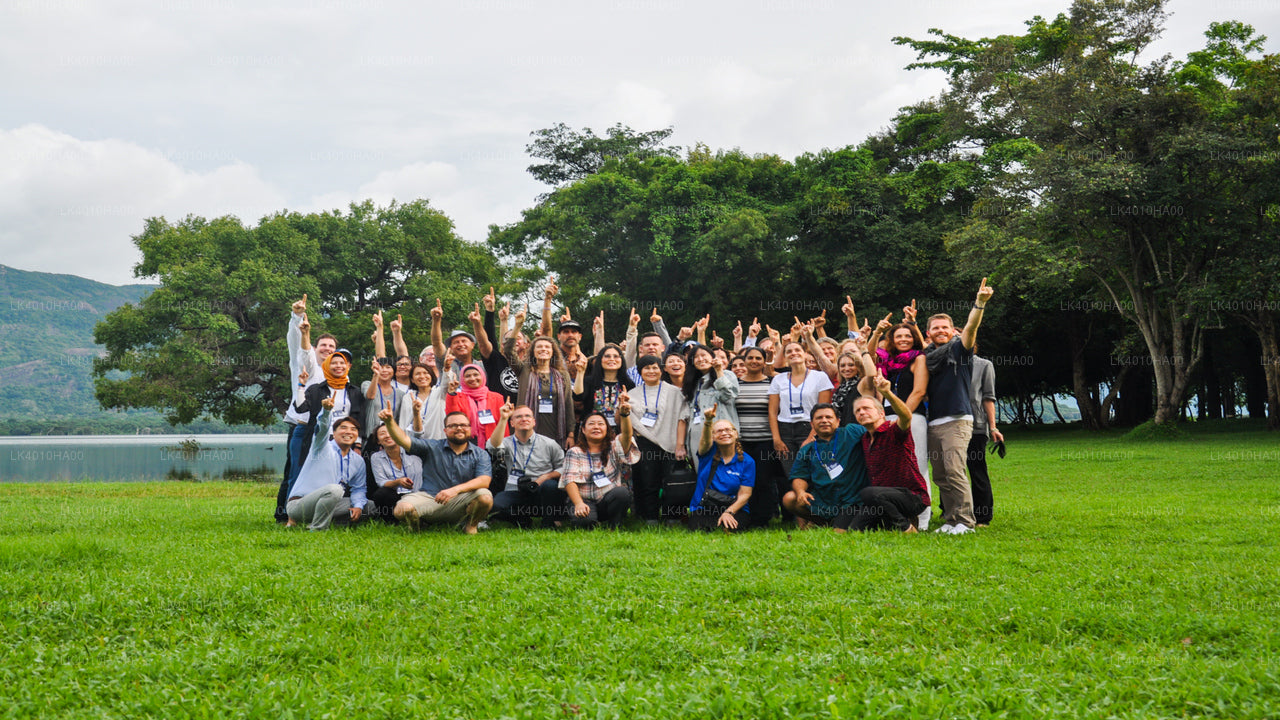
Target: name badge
(599, 478)
(697, 418)
(610, 418)
(649, 419)
(797, 411)
(833, 469)
(545, 406)
(515, 473)
(485, 417)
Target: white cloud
(70, 205)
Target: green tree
(210, 341)
(1101, 163)
(573, 154)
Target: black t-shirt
(950, 372)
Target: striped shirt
(753, 410)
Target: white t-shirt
(796, 401)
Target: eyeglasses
(452, 426)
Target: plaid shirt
(891, 460)
(578, 468)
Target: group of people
(818, 430)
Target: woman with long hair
(900, 359)
(849, 373)
(706, 384)
(545, 384)
(599, 386)
(791, 398)
(593, 468)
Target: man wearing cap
(457, 352)
(331, 485)
(570, 337)
(455, 476)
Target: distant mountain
(47, 352)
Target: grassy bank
(1120, 579)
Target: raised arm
(504, 419)
(705, 441)
(623, 413)
(878, 334)
(969, 335)
(477, 329)
(660, 327)
(379, 339)
(388, 418)
(700, 325)
(547, 296)
(633, 331)
(437, 333)
(819, 324)
(597, 334)
(899, 408)
(815, 349)
(397, 337)
(485, 329)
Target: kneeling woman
(592, 475)
(726, 476)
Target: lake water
(142, 457)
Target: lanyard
(657, 402)
(515, 453)
(791, 386)
(392, 467)
(423, 414)
(344, 463)
(382, 403)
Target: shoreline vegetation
(1118, 579)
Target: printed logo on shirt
(510, 381)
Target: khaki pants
(948, 451)
(430, 511)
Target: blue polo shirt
(443, 468)
(727, 478)
(833, 494)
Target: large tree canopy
(211, 339)
(1108, 169)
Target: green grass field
(1120, 579)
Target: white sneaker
(945, 529)
(482, 525)
(961, 529)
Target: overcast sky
(112, 112)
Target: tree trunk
(1264, 324)
(1080, 388)
(1255, 381)
(1212, 388)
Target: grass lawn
(1120, 579)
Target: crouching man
(829, 474)
(455, 476)
(898, 493)
(330, 486)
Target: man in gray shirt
(983, 400)
(455, 476)
(533, 465)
